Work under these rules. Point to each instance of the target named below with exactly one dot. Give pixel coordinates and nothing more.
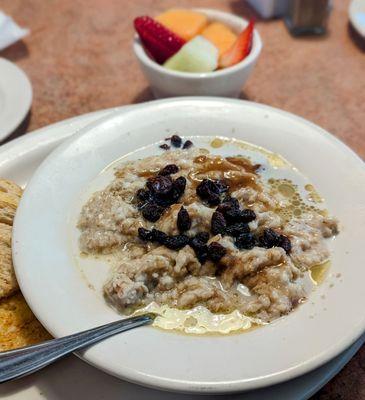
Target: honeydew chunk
(185, 23)
(220, 35)
(198, 55)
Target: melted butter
(286, 190)
(295, 205)
(313, 195)
(217, 143)
(276, 160)
(199, 320)
(318, 272)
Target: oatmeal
(192, 229)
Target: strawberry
(240, 48)
(160, 42)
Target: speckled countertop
(79, 59)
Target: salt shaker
(307, 16)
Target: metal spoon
(26, 360)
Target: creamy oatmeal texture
(259, 271)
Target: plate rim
(27, 96)
(231, 386)
(360, 29)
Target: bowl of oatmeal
(197, 232)
(208, 215)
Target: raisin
(152, 212)
(158, 236)
(214, 200)
(187, 144)
(229, 208)
(143, 195)
(202, 237)
(236, 215)
(169, 169)
(199, 240)
(285, 243)
(178, 188)
(209, 191)
(237, 228)
(221, 186)
(198, 244)
(232, 200)
(205, 188)
(269, 238)
(223, 208)
(229, 203)
(162, 200)
(245, 241)
(232, 214)
(164, 146)
(145, 234)
(183, 220)
(180, 184)
(160, 184)
(247, 215)
(176, 242)
(173, 196)
(202, 253)
(176, 140)
(218, 223)
(216, 251)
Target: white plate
(357, 16)
(285, 349)
(15, 97)
(72, 378)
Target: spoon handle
(26, 360)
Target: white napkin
(10, 31)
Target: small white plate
(357, 16)
(318, 331)
(15, 97)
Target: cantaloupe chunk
(184, 23)
(220, 35)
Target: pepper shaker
(306, 17)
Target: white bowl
(61, 297)
(226, 82)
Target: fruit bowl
(226, 82)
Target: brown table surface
(79, 59)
